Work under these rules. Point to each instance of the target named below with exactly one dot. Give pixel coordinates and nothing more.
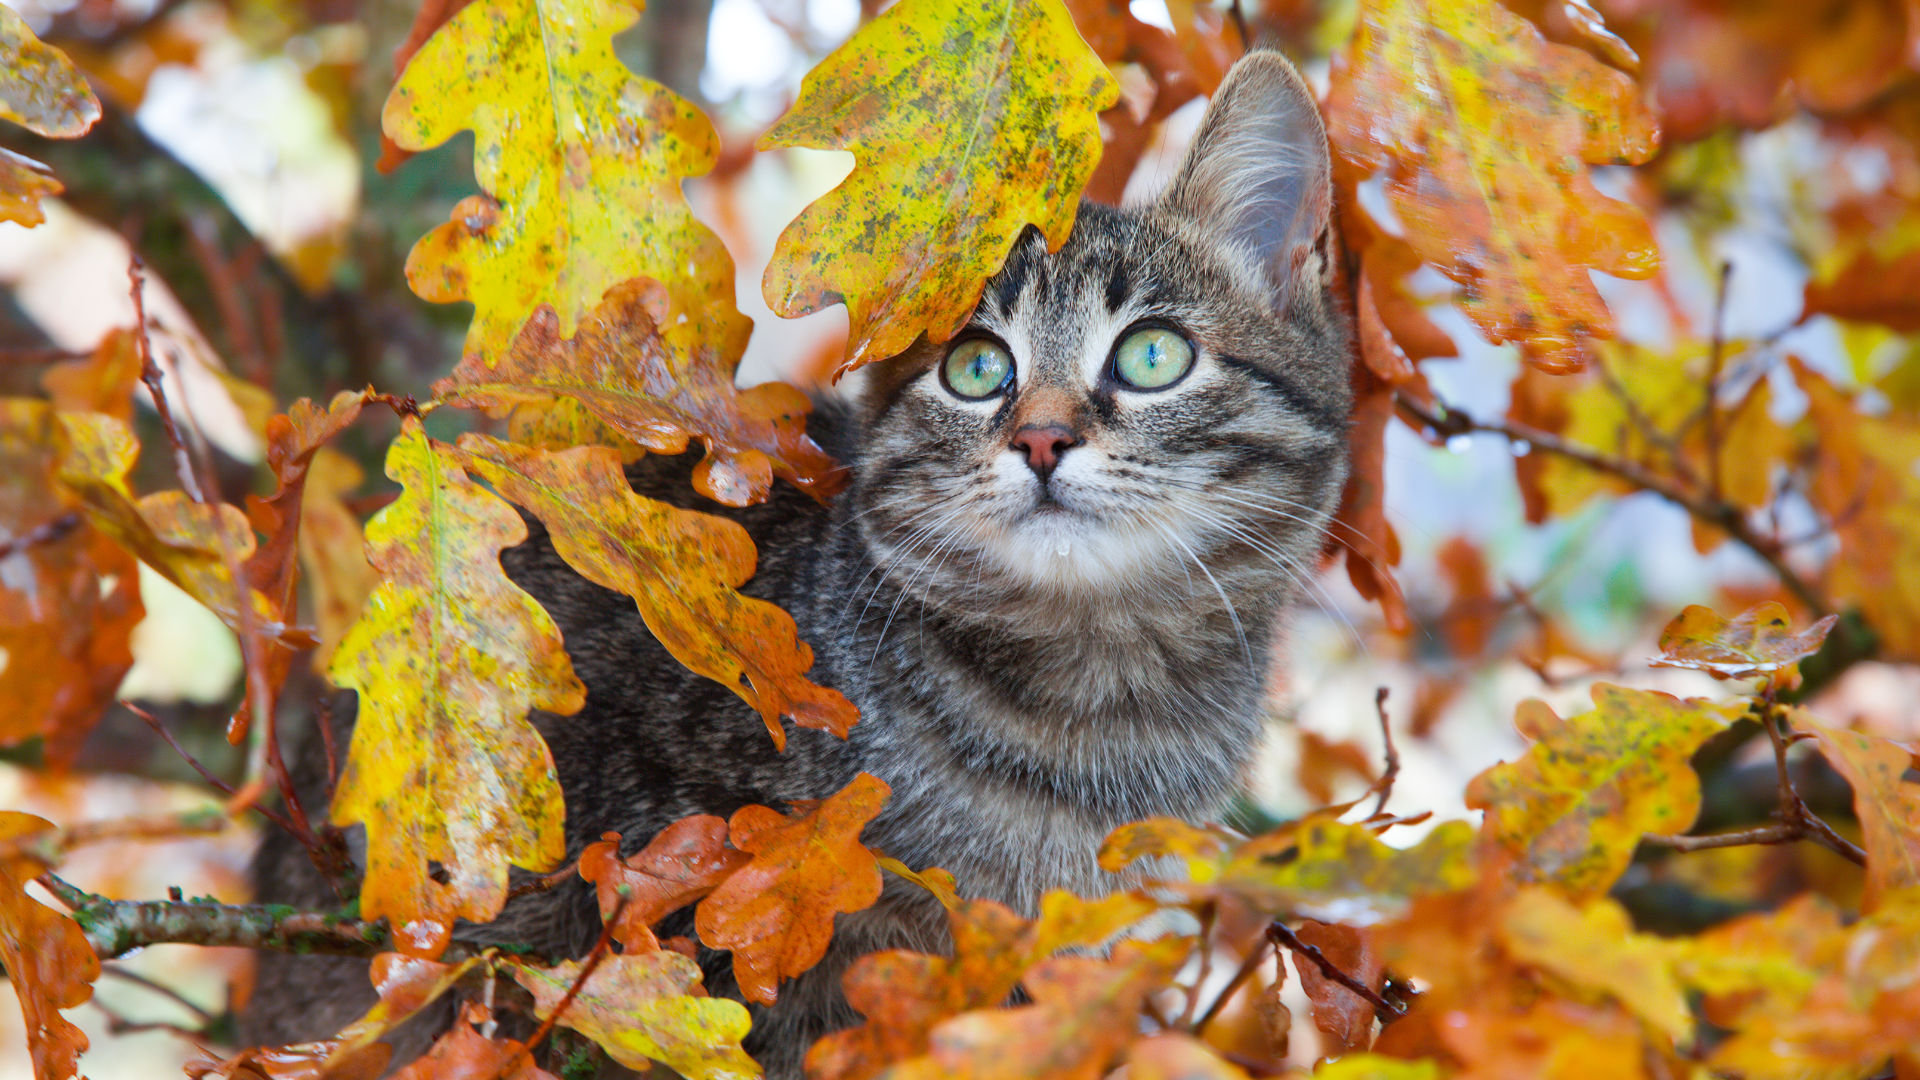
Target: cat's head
(1166, 394)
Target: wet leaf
(1485, 130)
(645, 1008)
(447, 657)
(1887, 805)
(1085, 1013)
(48, 961)
(658, 383)
(68, 605)
(580, 162)
(908, 240)
(1757, 642)
(681, 567)
(1574, 808)
(23, 183)
(686, 861)
(465, 1054)
(40, 88)
(776, 913)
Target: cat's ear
(1258, 178)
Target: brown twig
(1446, 421)
(150, 376)
(1208, 914)
(545, 882)
(1760, 834)
(1240, 976)
(45, 533)
(160, 988)
(1281, 934)
(1392, 770)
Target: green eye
(977, 368)
(1152, 358)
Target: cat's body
(1053, 602)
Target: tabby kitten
(1051, 588)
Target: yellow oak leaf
(1484, 129)
(49, 964)
(1085, 1014)
(776, 913)
(580, 162)
(1574, 808)
(68, 603)
(1594, 947)
(658, 383)
(335, 566)
(648, 1007)
(43, 91)
(681, 567)
(1375, 1067)
(1887, 805)
(197, 546)
(968, 120)
(447, 657)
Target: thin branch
(150, 376)
(160, 988)
(1240, 976)
(1208, 914)
(1392, 771)
(1282, 934)
(117, 927)
(545, 882)
(601, 949)
(45, 533)
(1447, 421)
(1760, 834)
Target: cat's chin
(1054, 547)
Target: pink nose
(1044, 445)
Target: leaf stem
(1282, 934)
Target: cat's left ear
(1258, 178)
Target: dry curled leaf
(682, 568)
(447, 657)
(1344, 1018)
(657, 383)
(1757, 642)
(648, 1007)
(909, 239)
(580, 162)
(1573, 809)
(1485, 130)
(776, 913)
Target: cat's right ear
(1258, 178)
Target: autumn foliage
(1528, 173)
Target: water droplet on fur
(1062, 547)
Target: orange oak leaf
(685, 862)
(1171, 1055)
(1887, 805)
(1865, 484)
(465, 1054)
(1573, 809)
(101, 381)
(1757, 642)
(909, 239)
(1085, 1014)
(68, 601)
(1484, 129)
(1360, 525)
(49, 963)
(681, 567)
(776, 913)
(447, 657)
(580, 162)
(657, 383)
(648, 1007)
(23, 183)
